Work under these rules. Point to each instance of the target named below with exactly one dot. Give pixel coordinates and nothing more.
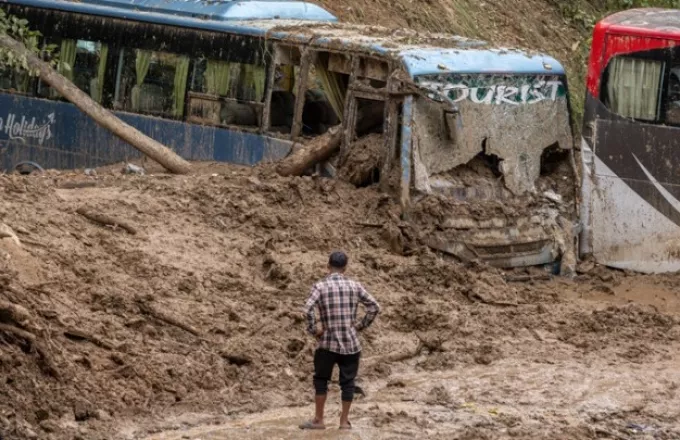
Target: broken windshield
(510, 119)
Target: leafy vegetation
(18, 29)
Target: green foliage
(18, 29)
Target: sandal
(348, 426)
(311, 424)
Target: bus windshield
(513, 118)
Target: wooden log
(80, 335)
(236, 359)
(105, 220)
(78, 184)
(168, 319)
(15, 314)
(48, 365)
(316, 151)
(150, 147)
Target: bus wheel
(27, 167)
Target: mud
(498, 131)
(340, 34)
(195, 320)
(362, 162)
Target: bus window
(370, 117)
(151, 82)
(673, 99)
(325, 96)
(84, 63)
(226, 93)
(633, 87)
(14, 82)
(287, 63)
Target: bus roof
(421, 53)
(306, 23)
(654, 21)
(205, 10)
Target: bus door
(632, 170)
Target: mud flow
(169, 307)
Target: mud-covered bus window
(633, 86)
(13, 81)
(150, 82)
(325, 97)
(672, 103)
(372, 73)
(287, 64)
(84, 63)
(226, 93)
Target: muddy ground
(194, 320)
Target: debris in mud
(133, 169)
(105, 220)
(362, 162)
(439, 395)
(179, 322)
(490, 288)
(7, 233)
(486, 354)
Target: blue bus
(456, 120)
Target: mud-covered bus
(475, 140)
(631, 140)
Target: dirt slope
(199, 312)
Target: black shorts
(324, 361)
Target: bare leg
(349, 366)
(344, 416)
(320, 403)
(324, 361)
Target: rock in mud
(438, 395)
(133, 169)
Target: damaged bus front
(492, 159)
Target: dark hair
(338, 260)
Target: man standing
(337, 298)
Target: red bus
(630, 207)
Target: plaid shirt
(337, 298)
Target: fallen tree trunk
(318, 150)
(15, 314)
(48, 364)
(168, 319)
(155, 150)
(106, 220)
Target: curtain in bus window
(334, 88)
(287, 79)
(218, 77)
(67, 58)
(142, 64)
(180, 85)
(97, 89)
(254, 80)
(633, 87)
(12, 80)
(23, 80)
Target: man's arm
(372, 308)
(309, 310)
